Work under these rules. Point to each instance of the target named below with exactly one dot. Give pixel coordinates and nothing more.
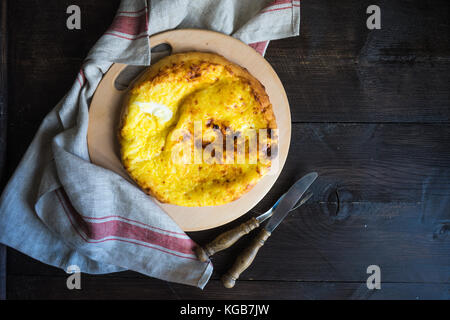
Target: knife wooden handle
(226, 239)
(245, 259)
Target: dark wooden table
(370, 112)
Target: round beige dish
(107, 103)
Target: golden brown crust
(172, 61)
(180, 58)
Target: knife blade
(289, 200)
(266, 215)
(228, 238)
(245, 259)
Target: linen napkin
(63, 210)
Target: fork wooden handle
(245, 259)
(226, 239)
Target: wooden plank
(376, 162)
(382, 198)
(411, 31)
(334, 71)
(383, 193)
(339, 71)
(365, 92)
(97, 287)
(314, 246)
(44, 63)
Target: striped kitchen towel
(63, 210)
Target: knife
(245, 259)
(228, 238)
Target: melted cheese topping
(161, 113)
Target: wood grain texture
(383, 199)
(371, 116)
(44, 60)
(339, 71)
(94, 288)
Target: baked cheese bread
(176, 117)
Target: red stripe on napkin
(275, 3)
(260, 47)
(117, 228)
(127, 38)
(270, 8)
(131, 220)
(276, 9)
(98, 232)
(129, 25)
